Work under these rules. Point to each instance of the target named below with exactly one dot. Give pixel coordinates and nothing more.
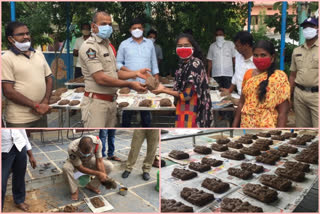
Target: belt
(106, 97)
(308, 89)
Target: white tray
(107, 206)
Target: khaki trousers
(69, 170)
(152, 136)
(306, 108)
(98, 113)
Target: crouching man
(85, 155)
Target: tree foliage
(292, 28)
(47, 20)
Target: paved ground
(310, 201)
(47, 189)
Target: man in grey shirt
(153, 35)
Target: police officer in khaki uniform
(85, 155)
(139, 135)
(101, 78)
(304, 76)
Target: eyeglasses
(22, 34)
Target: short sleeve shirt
(305, 62)
(28, 76)
(97, 55)
(75, 157)
(221, 58)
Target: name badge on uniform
(92, 54)
(106, 54)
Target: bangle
(37, 106)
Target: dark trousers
(41, 123)
(103, 137)
(224, 82)
(77, 72)
(15, 162)
(145, 118)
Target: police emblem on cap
(72, 156)
(91, 53)
(309, 19)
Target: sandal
(114, 158)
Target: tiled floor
(308, 204)
(141, 197)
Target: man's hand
(102, 177)
(45, 101)
(159, 90)
(33, 162)
(137, 86)
(291, 106)
(42, 108)
(143, 73)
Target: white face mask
(153, 40)
(22, 46)
(137, 33)
(220, 38)
(309, 32)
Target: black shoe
(145, 176)
(125, 174)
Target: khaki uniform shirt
(305, 63)
(28, 76)
(96, 55)
(76, 158)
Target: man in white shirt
(14, 147)
(244, 60)
(221, 59)
(85, 30)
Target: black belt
(308, 89)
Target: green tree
(169, 18)
(292, 29)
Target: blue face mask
(85, 155)
(105, 31)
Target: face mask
(22, 46)
(309, 32)
(184, 53)
(84, 155)
(152, 39)
(86, 32)
(262, 63)
(137, 33)
(105, 31)
(220, 38)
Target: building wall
(268, 8)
